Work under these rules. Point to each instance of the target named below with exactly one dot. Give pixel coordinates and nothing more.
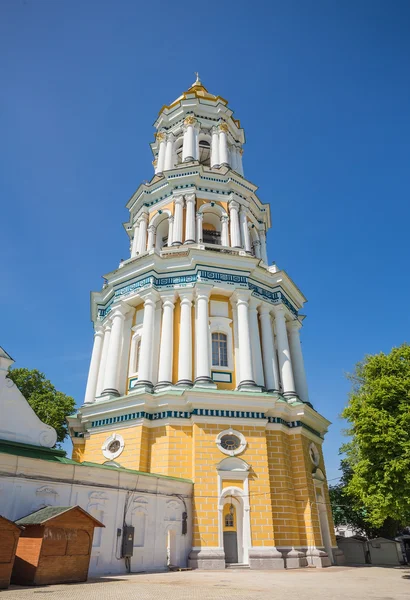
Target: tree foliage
(50, 405)
(378, 454)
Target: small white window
(231, 442)
(219, 350)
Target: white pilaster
(188, 148)
(256, 342)
(234, 158)
(170, 230)
(114, 351)
(241, 298)
(146, 351)
(215, 148)
(185, 341)
(296, 354)
(166, 351)
(199, 221)
(161, 140)
(142, 235)
(169, 153)
(245, 229)
(262, 237)
(190, 219)
(151, 237)
(223, 145)
(234, 219)
(270, 366)
(91, 388)
(134, 248)
(225, 230)
(285, 363)
(202, 354)
(178, 220)
(257, 248)
(103, 362)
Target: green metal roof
(43, 514)
(59, 456)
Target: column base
(317, 558)
(188, 159)
(147, 385)
(189, 242)
(207, 558)
(265, 558)
(248, 385)
(205, 382)
(184, 383)
(110, 392)
(294, 559)
(162, 385)
(176, 244)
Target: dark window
(209, 236)
(219, 350)
(230, 442)
(204, 153)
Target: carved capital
(224, 127)
(161, 137)
(189, 120)
(233, 205)
(179, 199)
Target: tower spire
(197, 81)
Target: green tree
(378, 453)
(50, 405)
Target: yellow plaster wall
(170, 450)
(284, 509)
(134, 455)
(78, 451)
(169, 207)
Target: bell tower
(197, 367)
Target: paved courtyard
(347, 583)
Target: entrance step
(236, 566)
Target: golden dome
(197, 89)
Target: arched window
(219, 350)
(230, 517)
(204, 153)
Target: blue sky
(322, 89)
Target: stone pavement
(334, 583)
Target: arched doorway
(234, 523)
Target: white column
(114, 351)
(178, 219)
(245, 229)
(169, 153)
(135, 241)
(199, 220)
(91, 388)
(185, 341)
(234, 218)
(170, 230)
(296, 354)
(190, 219)
(264, 254)
(161, 140)
(270, 366)
(103, 362)
(151, 237)
(223, 145)
(285, 363)
(236, 342)
(244, 335)
(188, 148)
(146, 351)
(202, 354)
(215, 148)
(224, 230)
(166, 351)
(234, 158)
(142, 234)
(196, 141)
(239, 159)
(256, 342)
(257, 248)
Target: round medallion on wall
(314, 454)
(113, 446)
(231, 442)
